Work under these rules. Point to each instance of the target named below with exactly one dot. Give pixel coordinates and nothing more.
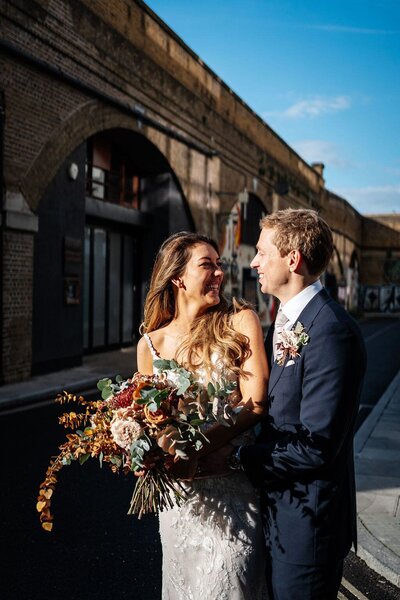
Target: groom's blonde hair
(302, 229)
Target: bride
(212, 545)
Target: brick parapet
(128, 62)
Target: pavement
(377, 450)
(377, 459)
(42, 389)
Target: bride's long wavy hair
(211, 332)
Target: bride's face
(202, 279)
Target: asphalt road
(96, 551)
(382, 337)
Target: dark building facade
(113, 135)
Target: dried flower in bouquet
(146, 423)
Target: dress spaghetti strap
(153, 351)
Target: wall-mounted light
(73, 171)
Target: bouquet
(145, 423)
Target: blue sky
(324, 75)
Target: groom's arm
(333, 370)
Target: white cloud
(321, 151)
(314, 107)
(373, 199)
(347, 29)
(392, 170)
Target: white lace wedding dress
(213, 546)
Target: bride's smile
(201, 281)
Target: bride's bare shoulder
(157, 337)
(245, 319)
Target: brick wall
(380, 245)
(123, 50)
(17, 305)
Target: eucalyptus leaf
(141, 401)
(148, 393)
(102, 383)
(210, 389)
(196, 422)
(162, 364)
(106, 393)
(183, 387)
(83, 458)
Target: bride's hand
(149, 463)
(184, 469)
(215, 463)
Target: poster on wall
(384, 298)
(389, 298)
(371, 299)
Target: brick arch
(336, 260)
(354, 260)
(91, 118)
(253, 198)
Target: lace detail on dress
(213, 545)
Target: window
(110, 175)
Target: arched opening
(101, 220)
(334, 281)
(239, 231)
(352, 291)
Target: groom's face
(272, 268)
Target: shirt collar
(294, 307)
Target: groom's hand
(215, 463)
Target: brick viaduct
(71, 69)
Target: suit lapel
(268, 345)
(275, 374)
(312, 309)
(306, 318)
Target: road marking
(379, 332)
(347, 585)
(341, 597)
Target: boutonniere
(290, 343)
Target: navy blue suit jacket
(303, 459)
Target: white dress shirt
(294, 307)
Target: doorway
(110, 288)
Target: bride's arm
(253, 385)
(144, 358)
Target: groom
(303, 460)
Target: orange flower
(136, 393)
(159, 416)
